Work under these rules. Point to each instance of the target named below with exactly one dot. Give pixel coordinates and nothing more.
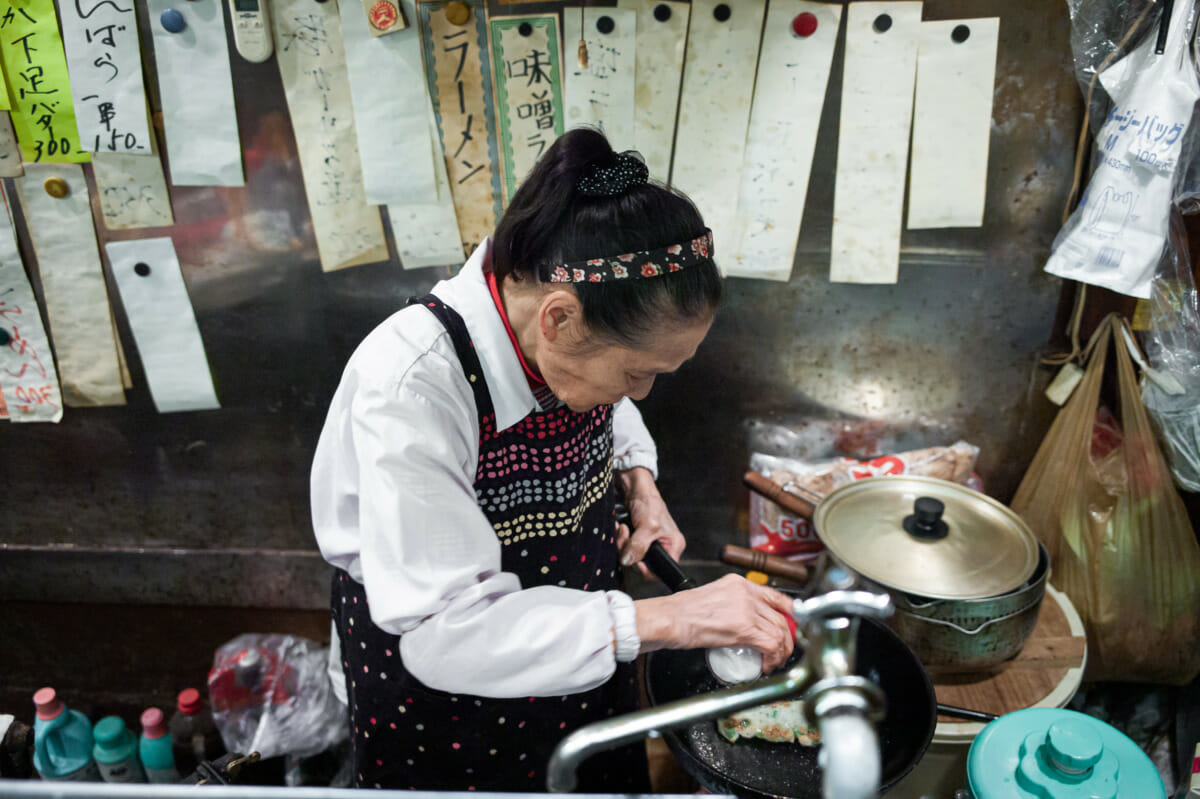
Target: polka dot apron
(544, 485)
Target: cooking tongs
(842, 705)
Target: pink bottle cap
(189, 702)
(152, 723)
(48, 704)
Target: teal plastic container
(154, 748)
(116, 751)
(1048, 753)
(62, 740)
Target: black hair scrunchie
(625, 172)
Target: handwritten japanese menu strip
(602, 94)
(312, 62)
(27, 375)
(196, 88)
(5, 104)
(163, 324)
(426, 233)
(877, 97)
(952, 122)
(132, 191)
(81, 324)
(527, 63)
(714, 111)
(789, 91)
(661, 37)
(36, 68)
(459, 74)
(105, 63)
(387, 86)
(10, 152)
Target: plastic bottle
(62, 740)
(116, 751)
(154, 748)
(194, 736)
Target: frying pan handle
(664, 567)
(774, 492)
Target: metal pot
(965, 635)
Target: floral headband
(643, 263)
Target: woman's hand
(731, 611)
(651, 520)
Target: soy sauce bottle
(194, 735)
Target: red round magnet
(805, 24)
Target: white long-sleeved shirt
(393, 505)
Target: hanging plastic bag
(1120, 542)
(271, 694)
(1115, 238)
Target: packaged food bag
(1120, 542)
(775, 530)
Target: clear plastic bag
(271, 694)
(1120, 542)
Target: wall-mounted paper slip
(387, 85)
(952, 123)
(527, 65)
(789, 92)
(10, 153)
(27, 375)
(36, 69)
(661, 36)
(312, 62)
(132, 191)
(714, 112)
(163, 324)
(196, 89)
(602, 94)
(105, 64)
(81, 323)
(877, 96)
(459, 74)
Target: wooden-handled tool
(764, 562)
(774, 492)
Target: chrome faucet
(843, 706)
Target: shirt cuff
(620, 605)
(632, 459)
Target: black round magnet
(722, 12)
(960, 33)
(5, 337)
(882, 23)
(605, 24)
(662, 12)
(141, 268)
(526, 29)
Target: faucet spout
(602, 735)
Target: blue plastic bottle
(62, 740)
(116, 751)
(155, 748)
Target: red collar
(535, 380)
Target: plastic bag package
(1120, 542)
(1172, 344)
(774, 530)
(271, 694)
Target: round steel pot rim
(1035, 584)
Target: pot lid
(928, 537)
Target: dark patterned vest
(544, 484)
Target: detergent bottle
(116, 751)
(62, 740)
(155, 748)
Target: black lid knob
(926, 519)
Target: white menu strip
(877, 97)
(27, 375)
(196, 89)
(387, 85)
(132, 191)
(81, 323)
(661, 37)
(163, 324)
(601, 94)
(714, 112)
(952, 122)
(793, 72)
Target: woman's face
(584, 374)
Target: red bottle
(194, 735)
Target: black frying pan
(754, 768)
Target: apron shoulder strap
(465, 349)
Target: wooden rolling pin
(774, 492)
(763, 562)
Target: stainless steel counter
(37, 789)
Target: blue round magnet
(172, 21)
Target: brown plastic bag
(1121, 545)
